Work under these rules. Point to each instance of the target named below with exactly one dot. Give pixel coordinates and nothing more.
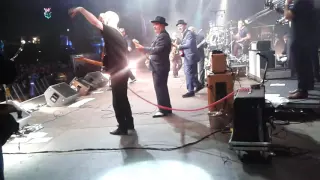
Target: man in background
(191, 56)
(129, 42)
(175, 58)
(201, 45)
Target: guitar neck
(89, 61)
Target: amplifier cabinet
(219, 86)
(218, 63)
(249, 123)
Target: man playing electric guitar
(191, 58)
(115, 62)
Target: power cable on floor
(118, 149)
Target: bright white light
(107, 76)
(23, 42)
(158, 170)
(132, 65)
(68, 30)
(221, 16)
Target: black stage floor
(277, 93)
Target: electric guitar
(137, 44)
(89, 61)
(181, 53)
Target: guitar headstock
(135, 41)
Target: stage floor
(277, 93)
(87, 125)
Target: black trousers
(160, 81)
(120, 101)
(302, 56)
(315, 63)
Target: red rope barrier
(191, 110)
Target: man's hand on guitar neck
(138, 45)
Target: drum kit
(221, 38)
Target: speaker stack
(219, 84)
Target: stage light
(47, 13)
(160, 169)
(23, 42)
(132, 65)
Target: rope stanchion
(191, 110)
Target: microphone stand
(265, 69)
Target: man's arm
(88, 15)
(161, 44)
(287, 12)
(188, 42)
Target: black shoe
(129, 128)
(189, 94)
(294, 91)
(119, 132)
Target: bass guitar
(89, 61)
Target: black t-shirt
(303, 27)
(243, 32)
(116, 49)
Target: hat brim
(166, 24)
(181, 23)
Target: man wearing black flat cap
(160, 64)
(191, 58)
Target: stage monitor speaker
(60, 95)
(81, 86)
(219, 86)
(96, 79)
(261, 45)
(218, 62)
(249, 124)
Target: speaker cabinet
(60, 95)
(96, 79)
(219, 86)
(249, 123)
(81, 86)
